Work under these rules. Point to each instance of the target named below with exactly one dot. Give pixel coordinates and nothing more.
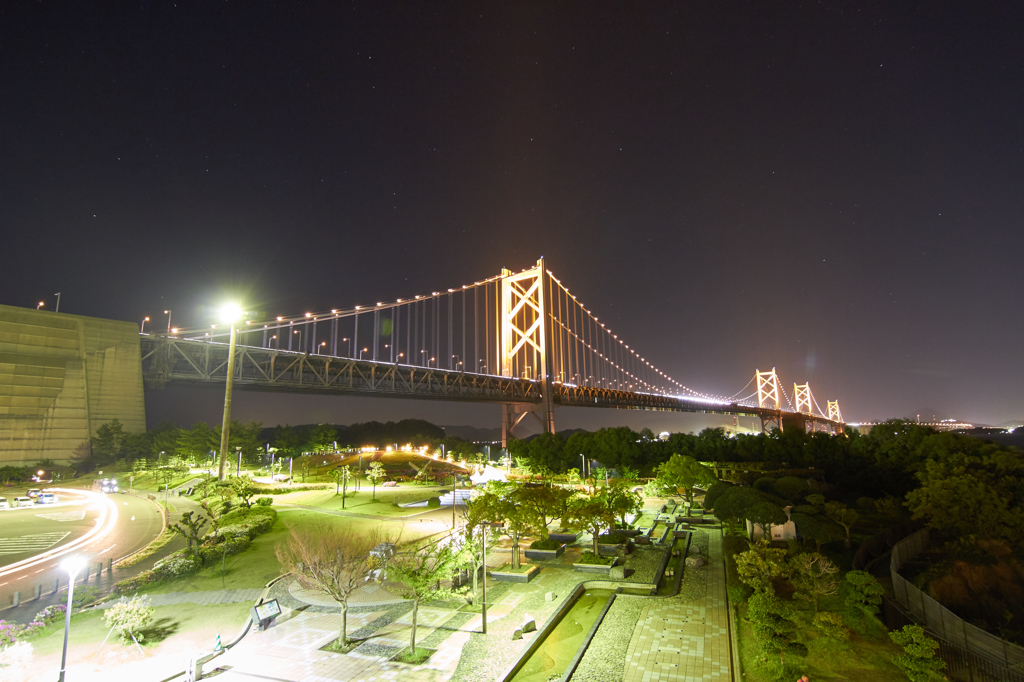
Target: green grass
(89, 628)
(406, 656)
(362, 502)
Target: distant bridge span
(550, 349)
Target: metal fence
(949, 628)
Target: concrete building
(62, 377)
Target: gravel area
(695, 580)
(605, 658)
(645, 561)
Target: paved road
(94, 526)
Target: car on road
(33, 492)
(4, 504)
(46, 498)
(24, 502)
(108, 485)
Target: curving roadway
(96, 526)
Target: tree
(421, 573)
(623, 502)
(376, 474)
(760, 564)
(190, 528)
(322, 437)
(592, 514)
(245, 490)
(819, 529)
(508, 503)
(683, 473)
(334, 559)
(286, 440)
(980, 495)
(831, 627)
(547, 503)
(814, 576)
(844, 516)
(109, 442)
(864, 592)
(918, 659)
(773, 627)
(341, 476)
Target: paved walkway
(202, 598)
(675, 640)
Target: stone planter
(594, 568)
(565, 537)
(545, 554)
(619, 550)
(510, 577)
(625, 532)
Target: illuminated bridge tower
(768, 399)
(525, 329)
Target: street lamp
(142, 327)
(230, 314)
(321, 346)
(361, 351)
(168, 314)
(348, 351)
(481, 360)
(423, 357)
(72, 565)
(40, 305)
(457, 363)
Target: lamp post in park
(72, 566)
(230, 314)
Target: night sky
(832, 189)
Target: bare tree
(333, 559)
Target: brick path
(676, 640)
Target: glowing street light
(142, 327)
(40, 305)
(361, 351)
(320, 347)
(72, 565)
(168, 314)
(230, 313)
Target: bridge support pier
(771, 418)
(513, 414)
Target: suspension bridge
(520, 340)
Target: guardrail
(945, 624)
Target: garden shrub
(264, 501)
(864, 591)
(594, 559)
(546, 543)
(129, 617)
(606, 539)
(180, 564)
(15, 657)
(434, 503)
(134, 583)
(738, 593)
(283, 490)
(918, 659)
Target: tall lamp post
(72, 566)
(230, 314)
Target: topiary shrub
(434, 503)
(264, 501)
(546, 543)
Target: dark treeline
(887, 461)
(381, 434)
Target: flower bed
(12, 633)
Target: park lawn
(362, 502)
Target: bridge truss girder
(182, 362)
